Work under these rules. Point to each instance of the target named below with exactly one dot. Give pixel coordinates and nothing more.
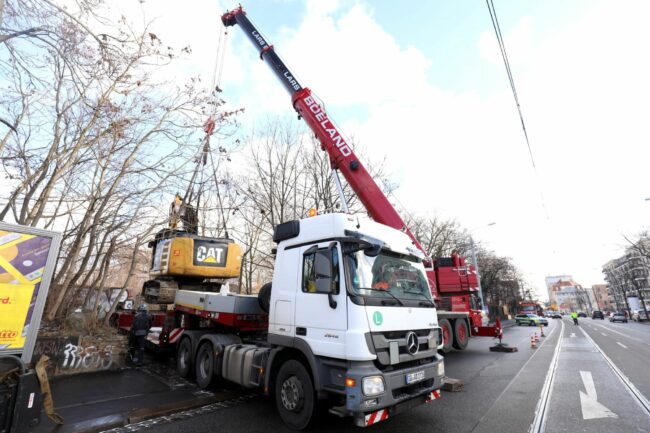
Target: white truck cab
(359, 311)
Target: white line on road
(640, 398)
(621, 334)
(604, 335)
(621, 344)
(539, 422)
(573, 334)
(591, 409)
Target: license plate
(414, 377)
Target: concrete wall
(76, 354)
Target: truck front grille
(381, 346)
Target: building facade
(628, 278)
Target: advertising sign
(27, 261)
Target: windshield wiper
(430, 302)
(386, 291)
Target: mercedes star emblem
(412, 344)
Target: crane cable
(216, 89)
(506, 62)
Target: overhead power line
(506, 62)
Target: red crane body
(343, 159)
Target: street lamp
(478, 275)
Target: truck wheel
(461, 334)
(264, 297)
(205, 366)
(294, 395)
(184, 358)
(447, 335)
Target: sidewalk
(99, 401)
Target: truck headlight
(441, 368)
(373, 385)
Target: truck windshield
(386, 275)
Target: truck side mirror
(323, 268)
(324, 272)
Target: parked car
(598, 315)
(639, 315)
(530, 320)
(582, 314)
(618, 317)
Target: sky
(423, 85)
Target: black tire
(204, 366)
(295, 398)
(461, 334)
(531, 323)
(184, 358)
(447, 335)
(264, 298)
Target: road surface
(588, 378)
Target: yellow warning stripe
(4, 263)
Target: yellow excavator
(181, 258)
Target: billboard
(27, 261)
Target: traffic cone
(536, 337)
(533, 343)
(541, 330)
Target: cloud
(583, 87)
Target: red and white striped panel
(375, 417)
(435, 395)
(175, 334)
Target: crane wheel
(461, 334)
(447, 335)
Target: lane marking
(573, 334)
(621, 344)
(622, 334)
(604, 335)
(591, 409)
(539, 422)
(640, 398)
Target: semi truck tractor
(351, 326)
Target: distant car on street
(582, 314)
(556, 316)
(530, 320)
(598, 315)
(618, 317)
(639, 315)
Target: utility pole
(478, 275)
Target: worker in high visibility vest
(574, 316)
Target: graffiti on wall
(79, 357)
(72, 354)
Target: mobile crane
(453, 283)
